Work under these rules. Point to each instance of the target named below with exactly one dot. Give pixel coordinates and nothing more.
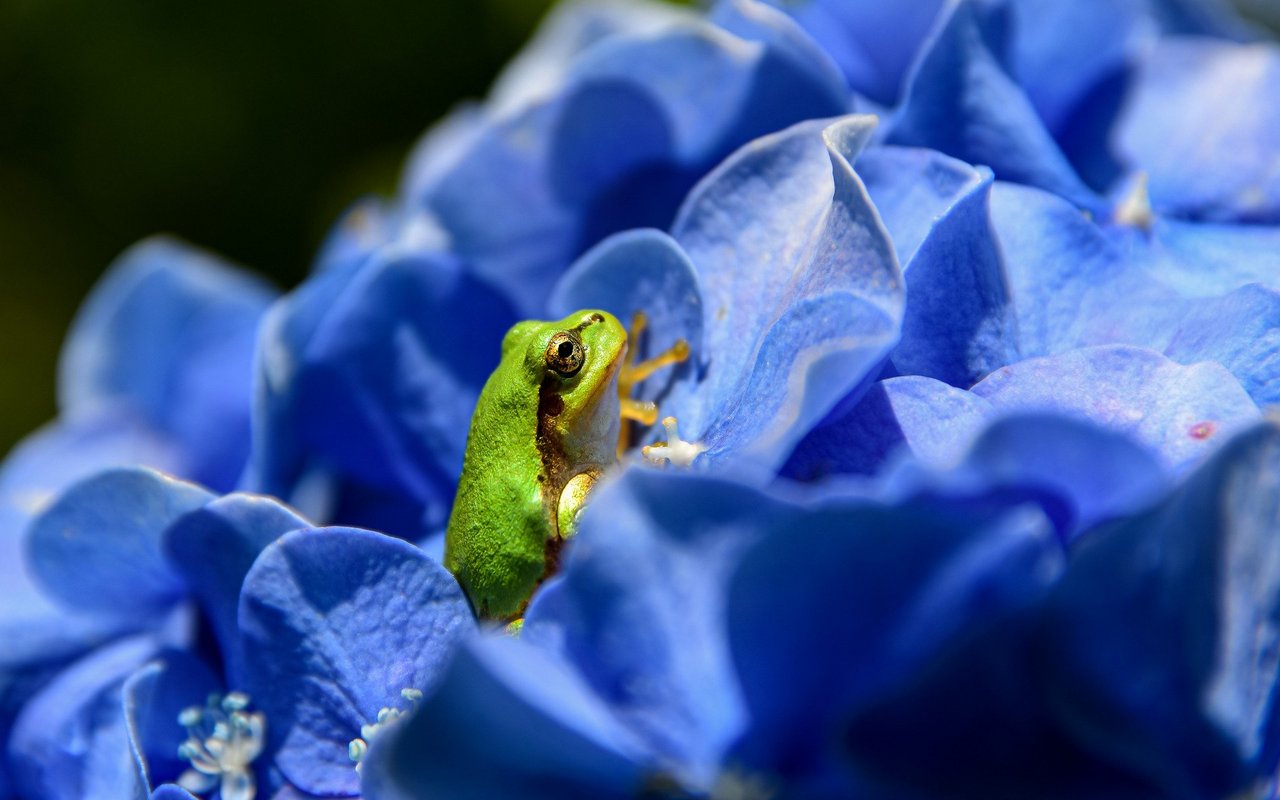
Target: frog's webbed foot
(679, 452)
(633, 372)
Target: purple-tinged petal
(507, 720)
(1180, 412)
(842, 602)
(70, 742)
(213, 547)
(801, 289)
(169, 333)
(960, 322)
(912, 189)
(1203, 124)
(640, 609)
(97, 548)
(931, 420)
(961, 101)
(336, 623)
(642, 270)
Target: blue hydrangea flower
(985, 490)
(228, 600)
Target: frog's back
(497, 535)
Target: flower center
(386, 717)
(223, 739)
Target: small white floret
(679, 452)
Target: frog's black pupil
(566, 349)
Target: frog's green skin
(533, 431)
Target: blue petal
(1072, 283)
(642, 270)
(962, 102)
(1080, 474)
(154, 696)
(842, 601)
(1216, 18)
(874, 43)
(1052, 62)
(912, 189)
(802, 293)
(1240, 331)
(1179, 412)
(960, 322)
(931, 420)
(1218, 163)
(170, 791)
(336, 622)
(1163, 646)
(1201, 259)
(97, 548)
(637, 120)
(71, 742)
(507, 720)
(387, 355)
(568, 30)
(169, 333)
(640, 609)
(213, 547)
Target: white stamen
(223, 739)
(676, 450)
(387, 717)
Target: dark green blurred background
(245, 127)
(242, 126)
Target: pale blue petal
(336, 623)
(1240, 331)
(168, 333)
(1180, 412)
(1204, 125)
(801, 289)
(97, 548)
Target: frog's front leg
(633, 372)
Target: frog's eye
(565, 354)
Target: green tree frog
(547, 425)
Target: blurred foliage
(245, 127)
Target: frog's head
(573, 363)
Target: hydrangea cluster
(978, 492)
